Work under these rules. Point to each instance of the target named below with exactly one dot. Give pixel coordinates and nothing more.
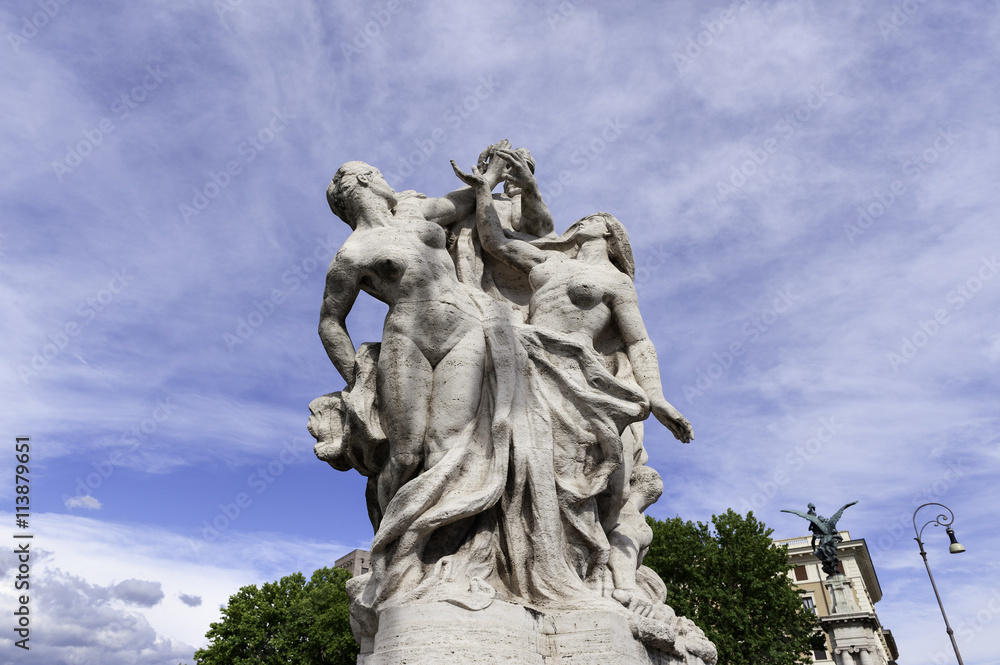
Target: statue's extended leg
(455, 395)
(405, 379)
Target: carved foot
(653, 633)
(656, 626)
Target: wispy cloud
(87, 501)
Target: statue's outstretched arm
(449, 208)
(461, 203)
(342, 288)
(645, 366)
(517, 254)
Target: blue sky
(810, 191)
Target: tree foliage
(733, 583)
(290, 621)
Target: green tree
(290, 621)
(733, 583)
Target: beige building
(845, 607)
(356, 563)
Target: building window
(810, 604)
(840, 567)
(801, 574)
(820, 654)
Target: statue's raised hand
(490, 166)
(475, 179)
(518, 172)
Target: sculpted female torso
(574, 298)
(582, 295)
(407, 267)
(432, 356)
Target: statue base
(841, 595)
(442, 634)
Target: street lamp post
(954, 548)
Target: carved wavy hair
(344, 182)
(619, 248)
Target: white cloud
(137, 581)
(87, 502)
(138, 592)
(189, 600)
(73, 620)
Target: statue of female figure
(581, 398)
(426, 407)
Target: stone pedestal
(853, 633)
(445, 634)
(842, 599)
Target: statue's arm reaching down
(642, 356)
(342, 288)
(517, 254)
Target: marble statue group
(499, 423)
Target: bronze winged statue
(825, 531)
